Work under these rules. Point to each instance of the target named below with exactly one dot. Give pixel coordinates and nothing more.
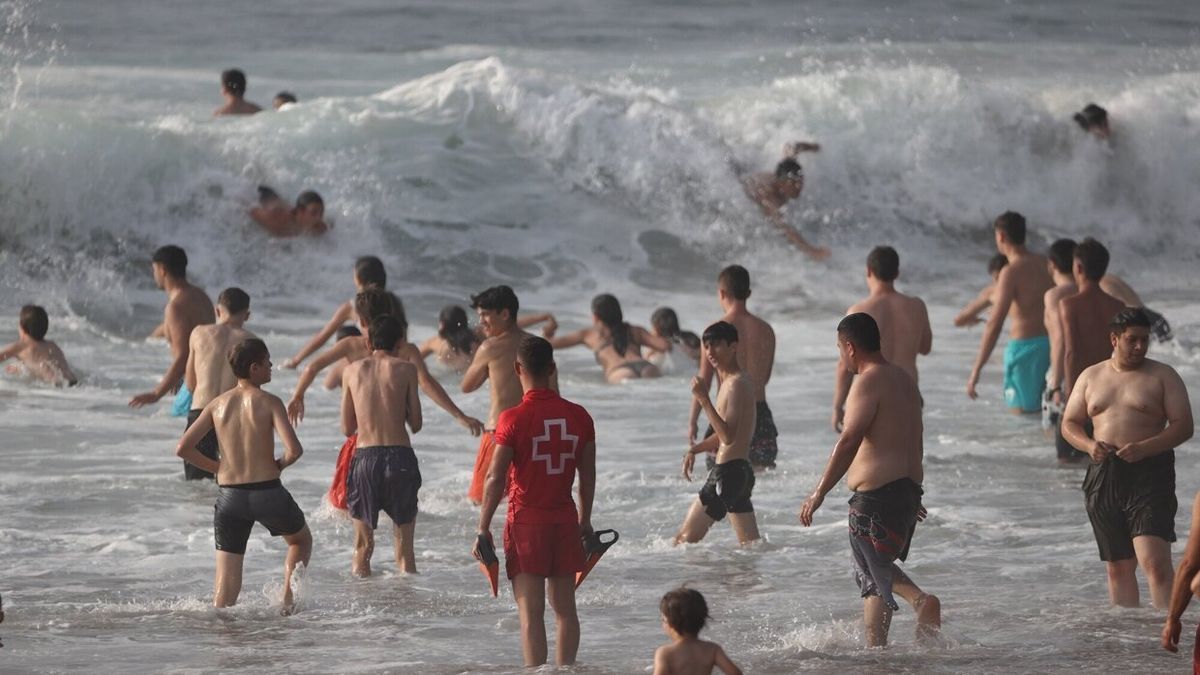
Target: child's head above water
(684, 611)
(34, 322)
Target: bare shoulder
(1161, 370)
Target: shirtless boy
(208, 374)
(543, 441)
(188, 306)
(880, 452)
(903, 324)
(731, 482)
(772, 191)
(969, 315)
(39, 357)
(306, 217)
(246, 419)
(368, 273)
(755, 354)
(233, 89)
(684, 613)
(1141, 413)
(1021, 286)
(379, 397)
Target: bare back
(245, 419)
(46, 362)
(903, 327)
(687, 657)
(755, 349)
(885, 404)
(190, 307)
(209, 349)
(381, 393)
(1085, 319)
(1027, 278)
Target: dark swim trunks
(207, 447)
(1127, 500)
(763, 448)
(882, 522)
(238, 507)
(728, 489)
(383, 478)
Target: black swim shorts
(207, 447)
(882, 522)
(238, 507)
(383, 478)
(1127, 500)
(728, 489)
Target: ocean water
(569, 149)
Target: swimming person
(233, 89)
(246, 420)
(379, 398)
(1139, 412)
(881, 454)
(542, 443)
(283, 98)
(684, 613)
(730, 482)
(307, 217)
(1021, 287)
(665, 324)
(772, 192)
(208, 373)
(616, 343)
(1094, 120)
(40, 358)
(969, 315)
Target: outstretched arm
(295, 406)
(340, 316)
(570, 339)
(969, 316)
(433, 389)
(1005, 293)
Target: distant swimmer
(903, 322)
(969, 316)
(494, 361)
(233, 88)
(188, 306)
(40, 358)
(283, 98)
(368, 273)
(730, 482)
(1140, 412)
(684, 613)
(772, 192)
(1020, 288)
(665, 324)
(1060, 263)
(208, 373)
(379, 399)
(541, 444)
(307, 217)
(333, 379)
(881, 453)
(246, 420)
(616, 343)
(755, 355)
(1187, 584)
(1094, 120)
(455, 342)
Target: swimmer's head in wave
(1094, 120)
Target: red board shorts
(547, 550)
(483, 462)
(341, 472)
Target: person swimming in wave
(41, 358)
(1094, 120)
(665, 324)
(307, 217)
(283, 98)
(617, 344)
(455, 342)
(233, 88)
(772, 191)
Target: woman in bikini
(617, 344)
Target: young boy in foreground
(684, 613)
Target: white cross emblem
(548, 458)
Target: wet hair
(736, 280)
(666, 322)
(536, 356)
(386, 331)
(608, 310)
(234, 300)
(373, 303)
(1093, 257)
(685, 610)
(789, 168)
(497, 298)
(1130, 316)
(721, 331)
(285, 97)
(997, 263)
(1092, 115)
(455, 330)
(884, 263)
(860, 330)
(346, 331)
(309, 197)
(173, 259)
(267, 194)
(245, 354)
(234, 82)
(34, 322)
(1061, 252)
(1012, 224)
(369, 272)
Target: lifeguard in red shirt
(540, 445)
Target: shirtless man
(188, 306)
(493, 361)
(1141, 413)
(379, 397)
(208, 374)
(307, 217)
(903, 322)
(1059, 264)
(1087, 313)
(368, 273)
(543, 441)
(39, 357)
(772, 191)
(880, 451)
(370, 305)
(233, 89)
(755, 354)
(1020, 287)
(246, 418)
(731, 482)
